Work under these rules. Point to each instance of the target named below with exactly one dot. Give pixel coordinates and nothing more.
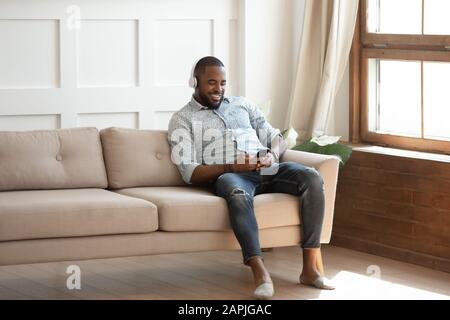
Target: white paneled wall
(30, 122)
(69, 63)
(31, 61)
(107, 53)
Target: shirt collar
(199, 106)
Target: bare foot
(260, 273)
(309, 276)
(263, 283)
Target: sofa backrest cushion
(138, 158)
(53, 159)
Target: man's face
(211, 87)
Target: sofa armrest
(328, 167)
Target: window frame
(391, 47)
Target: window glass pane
(437, 17)
(373, 93)
(395, 16)
(436, 96)
(395, 97)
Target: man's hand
(245, 163)
(267, 161)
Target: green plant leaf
(342, 151)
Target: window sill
(399, 152)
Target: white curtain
(325, 47)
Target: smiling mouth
(216, 97)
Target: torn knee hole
(239, 192)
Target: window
(400, 75)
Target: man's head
(210, 76)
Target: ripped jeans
(239, 189)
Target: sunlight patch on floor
(353, 286)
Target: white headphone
(193, 79)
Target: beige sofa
(78, 194)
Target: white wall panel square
(108, 53)
(106, 120)
(30, 122)
(29, 54)
(162, 119)
(178, 43)
(232, 67)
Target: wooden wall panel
(395, 207)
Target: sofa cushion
(196, 209)
(56, 159)
(71, 213)
(138, 158)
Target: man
(227, 142)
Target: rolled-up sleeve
(266, 133)
(183, 153)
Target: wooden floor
(221, 276)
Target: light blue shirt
(200, 136)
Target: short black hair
(206, 62)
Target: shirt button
(59, 157)
(159, 156)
